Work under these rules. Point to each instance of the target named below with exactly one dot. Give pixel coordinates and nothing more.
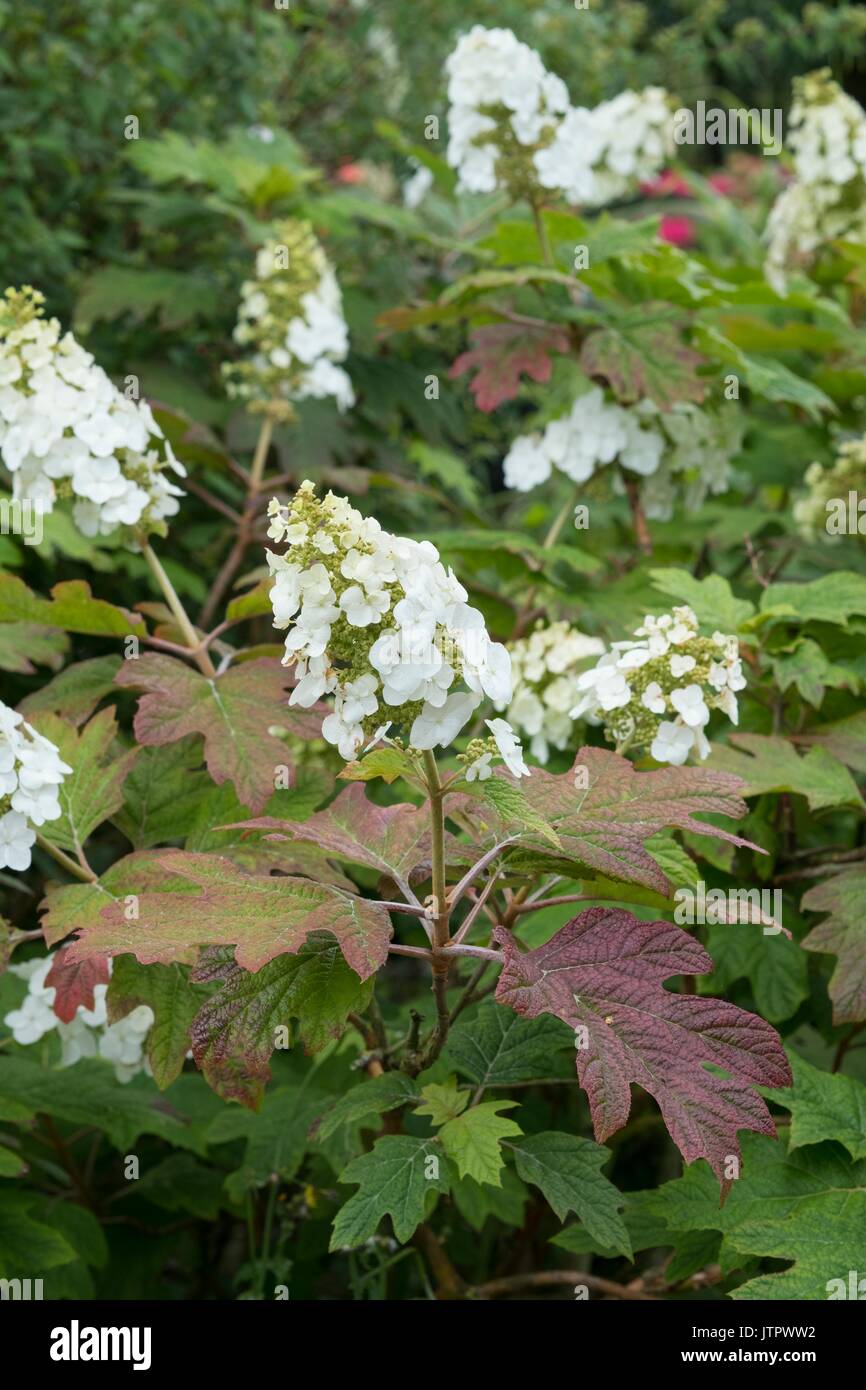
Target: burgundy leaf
(501, 352)
(74, 982)
(603, 972)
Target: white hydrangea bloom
(88, 1034)
(502, 99)
(657, 689)
(377, 622)
(31, 773)
(699, 447)
(595, 432)
(66, 432)
(545, 667)
(828, 198)
(825, 510)
(291, 319)
(601, 155)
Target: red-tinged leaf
(501, 353)
(74, 982)
(262, 917)
(236, 1030)
(645, 356)
(394, 840)
(70, 907)
(603, 972)
(605, 825)
(76, 691)
(232, 712)
(842, 934)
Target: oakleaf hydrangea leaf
(400, 1177)
(263, 917)
(602, 974)
(568, 1171)
(472, 1140)
(233, 713)
(842, 934)
(74, 983)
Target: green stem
(441, 934)
(263, 443)
(86, 875)
(179, 613)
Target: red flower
(668, 184)
(350, 173)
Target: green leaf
(71, 607)
(93, 791)
(823, 1235)
(115, 290)
(75, 692)
(74, 906)
(842, 934)
(162, 794)
(568, 1171)
(237, 1028)
(443, 1101)
(832, 599)
(392, 1182)
(472, 1140)
(27, 1245)
(89, 1095)
(774, 966)
(493, 1046)
(809, 669)
(514, 808)
(476, 1202)
(770, 764)
(447, 469)
(181, 1183)
(277, 1136)
(766, 376)
(387, 763)
(22, 644)
(712, 600)
(175, 1001)
(374, 1097)
(824, 1105)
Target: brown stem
(552, 1278)
(449, 1285)
(246, 522)
(638, 519)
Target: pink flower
(679, 231)
(350, 173)
(722, 183)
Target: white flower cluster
(825, 511)
(511, 124)
(599, 156)
(595, 432)
(67, 432)
(377, 621)
(291, 316)
(656, 690)
(31, 772)
(503, 100)
(89, 1034)
(545, 667)
(698, 458)
(828, 198)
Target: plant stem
(638, 518)
(191, 637)
(551, 1278)
(79, 871)
(232, 562)
(440, 962)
